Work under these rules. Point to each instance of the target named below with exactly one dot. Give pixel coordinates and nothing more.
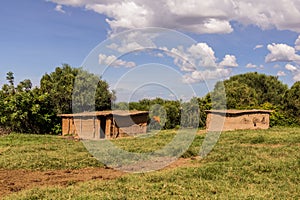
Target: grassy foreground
(43, 152)
(262, 164)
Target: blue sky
(232, 36)
(34, 38)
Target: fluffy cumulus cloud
(191, 58)
(250, 65)
(114, 61)
(290, 67)
(194, 16)
(195, 60)
(281, 52)
(281, 73)
(204, 53)
(282, 14)
(201, 76)
(229, 61)
(253, 66)
(200, 63)
(187, 58)
(294, 70)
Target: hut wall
(237, 121)
(104, 126)
(68, 126)
(87, 128)
(132, 125)
(66, 122)
(76, 127)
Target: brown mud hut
(104, 124)
(228, 120)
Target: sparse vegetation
(43, 152)
(258, 164)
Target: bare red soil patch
(17, 180)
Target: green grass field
(262, 164)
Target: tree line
(244, 91)
(28, 109)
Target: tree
(104, 98)
(59, 86)
(34, 110)
(3, 117)
(190, 114)
(250, 90)
(90, 92)
(204, 104)
(268, 88)
(20, 111)
(240, 95)
(173, 114)
(292, 102)
(11, 79)
(25, 85)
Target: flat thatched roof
(238, 111)
(105, 113)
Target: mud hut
(104, 124)
(227, 120)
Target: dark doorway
(102, 127)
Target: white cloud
(250, 65)
(290, 67)
(194, 16)
(181, 59)
(229, 61)
(204, 53)
(71, 2)
(297, 44)
(59, 8)
(282, 14)
(281, 73)
(281, 52)
(295, 71)
(190, 58)
(200, 76)
(253, 66)
(297, 77)
(113, 61)
(125, 14)
(259, 46)
(134, 41)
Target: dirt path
(16, 180)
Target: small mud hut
(104, 124)
(227, 120)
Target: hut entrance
(102, 127)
